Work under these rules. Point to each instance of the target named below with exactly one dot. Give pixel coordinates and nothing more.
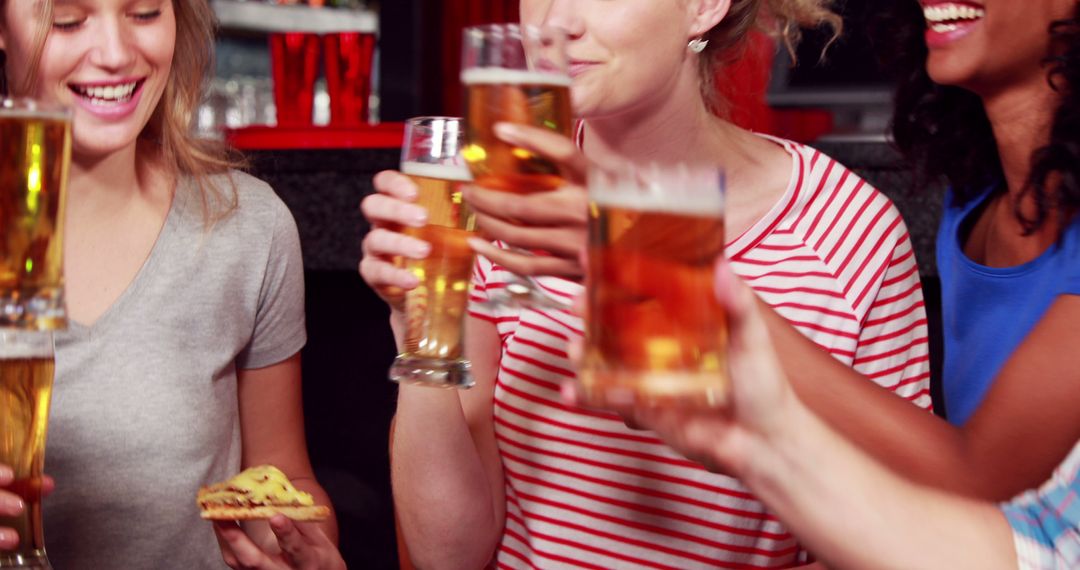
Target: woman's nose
(564, 15)
(115, 48)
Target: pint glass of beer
(26, 378)
(514, 74)
(655, 332)
(35, 149)
(35, 153)
(433, 352)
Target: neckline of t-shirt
(765, 225)
(1000, 272)
(145, 272)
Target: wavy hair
(169, 131)
(944, 132)
(783, 20)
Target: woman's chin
(100, 148)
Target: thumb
(745, 324)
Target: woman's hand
(300, 545)
(760, 397)
(389, 210)
(554, 221)
(12, 505)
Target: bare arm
(1023, 429)
(272, 427)
(445, 467)
(272, 432)
(851, 514)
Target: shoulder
(831, 200)
(823, 175)
(257, 221)
(256, 202)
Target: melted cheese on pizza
(257, 486)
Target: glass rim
(427, 120)
(25, 343)
(512, 26)
(678, 188)
(433, 141)
(29, 107)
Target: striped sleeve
(862, 240)
(1046, 522)
(893, 347)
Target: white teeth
(110, 94)
(940, 13)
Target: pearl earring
(697, 45)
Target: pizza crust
(230, 513)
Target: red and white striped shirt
(833, 257)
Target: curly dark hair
(944, 131)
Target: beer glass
(514, 74)
(655, 332)
(35, 149)
(26, 378)
(433, 352)
(35, 153)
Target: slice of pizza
(258, 493)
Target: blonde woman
(507, 471)
(185, 293)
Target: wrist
(783, 448)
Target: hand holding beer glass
(35, 149)
(433, 348)
(655, 332)
(514, 74)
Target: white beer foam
(500, 76)
(22, 344)
(677, 190)
(457, 173)
(29, 109)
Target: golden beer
(435, 310)
(524, 97)
(655, 331)
(35, 147)
(25, 391)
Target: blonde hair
(780, 19)
(169, 130)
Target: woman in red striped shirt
(506, 472)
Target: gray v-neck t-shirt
(144, 406)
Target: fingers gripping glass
(514, 74)
(435, 311)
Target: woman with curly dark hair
(1000, 122)
(987, 100)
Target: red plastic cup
(348, 76)
(294, 57)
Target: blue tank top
(987, 311)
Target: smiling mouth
(104, 96)
(949, 17)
